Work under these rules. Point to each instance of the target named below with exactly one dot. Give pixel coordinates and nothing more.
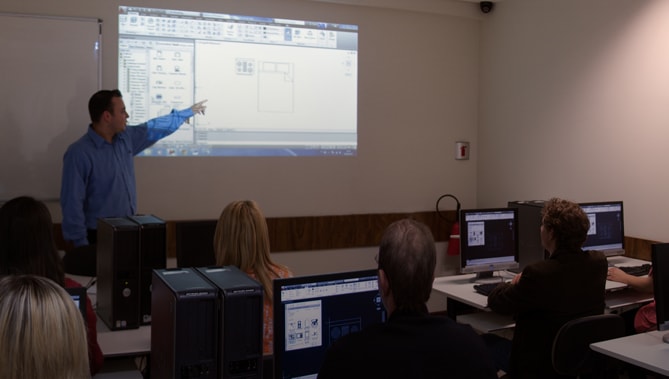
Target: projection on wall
(275, 87)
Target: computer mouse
(665, 338)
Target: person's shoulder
(596, 255)
(81, 142)
(85, 144)
(281, 271)
(540, 266)
(452, 327)
(71, 283)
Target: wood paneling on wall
(325, 232)
(638, 248)
(351, 231)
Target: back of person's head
(42, 332)
(567, 221)
(26, 240)
(407, 255)
(100, 102)
(241, 239)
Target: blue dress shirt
(99, 177)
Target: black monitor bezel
(485, 268)
(622, 222)
(278, 310)
(660, 264)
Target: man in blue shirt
(99, 174)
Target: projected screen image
(273, 86)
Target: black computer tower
(184, 327)
(118, 273)
(529, 233)
(241, 322)
(152, 255)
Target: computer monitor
(607, 227)
(311, 312)
(78, 295)
(488, 241)
(660, 260)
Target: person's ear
(107, 116)
(384, 285)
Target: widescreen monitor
(607, 227)
(275, 86)
(311, 312)
(488, 241)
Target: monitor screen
(275, 86)
(660, 260)
(78, 295)
(607, 228)
(488, 240)
(311, 312)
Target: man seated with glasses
(412, 343)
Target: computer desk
(464, 304)
(119, 343)
(645, 350)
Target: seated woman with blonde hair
(42, 332)
(27, 247)
(242, 240)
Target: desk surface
(646, 350)
(461, 289)
(128, 342)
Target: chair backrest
(194, 243)
(571, 348)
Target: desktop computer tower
(184, 327)
(152, 255)
(529, 237)
(240, 340)
(118, 273)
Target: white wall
(575, 104)
(418, 94)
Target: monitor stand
(485, 277)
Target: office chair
(571, 348)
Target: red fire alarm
(462, 150)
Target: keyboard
(485, 288)
(641, 270)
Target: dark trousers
(82, 260)
(500, 350)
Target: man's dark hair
(100, 102)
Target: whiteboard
(50, 67)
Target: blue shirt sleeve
(158, 128)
